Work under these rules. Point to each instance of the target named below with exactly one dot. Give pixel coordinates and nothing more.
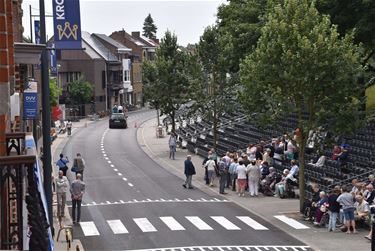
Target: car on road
(118, 120)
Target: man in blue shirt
(61, 163)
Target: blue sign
(30, 101)
(67, 24)
(37, 31)
(30, 105)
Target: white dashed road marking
(291, 222)
(199, 223)
(117, 227)
(145, 225)
(225, 223)
(89, 228)
(172, 223)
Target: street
(132, 203)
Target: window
(103, 79)
(126, 76)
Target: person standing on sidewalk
(223, 172)
(62, 184)
(79, 164)
(61, 164)
(254, 177)
(189, 172)
(69, 127)
(172, 145)
(77, 189)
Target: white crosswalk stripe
(172, 223)
(291, 222)
(145, 225)
(252, 223)
(89, 228)
(225, 223)
(117, 227)
(199, 223)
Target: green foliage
(149, 28)
(352, 14)
(213, 92)
(301, 64)
(54, 93)
(80, 91)
(166, 83)
(240, 22)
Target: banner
(37, 31)
(67, 24)
(30, 101)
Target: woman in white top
(241, 178)
(254, 177)
(211, 171)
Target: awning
(27, 53)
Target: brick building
(142, 48)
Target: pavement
(281, 214)
(56, 148)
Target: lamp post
(46, 117)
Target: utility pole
(46, 116)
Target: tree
(54, 93)
(149, 28)
(165, 81)
(302, 66)
(239, 23)
(213, 92)
(80, 91)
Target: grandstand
(236, 132)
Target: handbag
(74, 169)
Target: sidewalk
(56, 148)
(264, 207)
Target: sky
(187, 19)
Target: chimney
(136, 34)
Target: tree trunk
(158, 116)
(301, 175)
(173, 122)
(215, 128)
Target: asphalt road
(132, 203)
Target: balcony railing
(17, 176)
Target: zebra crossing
(217, 222)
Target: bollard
(135, 124)
(85, 124)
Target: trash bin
(159, 132)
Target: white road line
(117, 227)
(144, 224)
(172, 223)
(222, 248)
(115, 169)
(199, 223)
(125, 179)
(109, 162)
(106, 158)
(89, 228)
(112, 165)
(252, 223)
(130, 184)
(291, 222)
(119, 174)
(225, 223)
